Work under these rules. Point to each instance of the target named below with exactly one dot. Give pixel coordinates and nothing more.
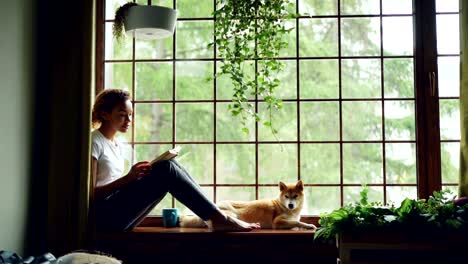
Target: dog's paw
(299, 228)
(311, 226)
(305, 226)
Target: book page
(167, 155)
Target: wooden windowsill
(148, 232)
(190, 244)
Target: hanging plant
(246, 32)
(118, 29)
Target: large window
(353, 99)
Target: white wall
(16, 82)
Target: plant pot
(150, 22)
(388, 247)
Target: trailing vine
(118, 28)
(252, 31)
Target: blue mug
(170, 217)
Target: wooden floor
(154, 244)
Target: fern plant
(252, 31)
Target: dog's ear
(299, 185)
(282, 186)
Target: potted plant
(252, 31)
(144, 21)
(437, 226)
(118, 26)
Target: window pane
(360, 36)
(245, 193)
(290, 38)
(320, 121)
(277, 162)
(362, 120)
(229, 127)
(318, 37)
(316, 204)
(183, 210)
(449, 119)
(115, 50)
(351, 194)
(166, 202)
(397, 36)
(224, 86)
(235, 164)
(284, 121)
(268, 192)
(195, 8)
(153, 81)
(450, 155)
(399, 78)
(320, 163)
(154, 49)
(400, 122)
(396, 194)
(400, 163)
(118, 75)
(449, 76)
(362, 7)
(198, 160)
(166, 3)
(191, 80)
(193, 38)
(447, 5)
(319, 79)
(397, 6)
(111, 7)
(287, 88)
(448, 34)
(318, 7)
(362, 163)
(194, 122)
(361, 78)
(149, 151)
(153, 122)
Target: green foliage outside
(440, 213)
(315, 117)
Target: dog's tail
(191, 221)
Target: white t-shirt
(110, 158)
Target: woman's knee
(165, 169)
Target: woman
(123, 201)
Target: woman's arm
(138, 170)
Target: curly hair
(105, 102)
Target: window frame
(428, 142)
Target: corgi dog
(282, 212)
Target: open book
(167, 155)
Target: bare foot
(226, 223)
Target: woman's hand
(139, 170)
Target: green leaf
(236, 29)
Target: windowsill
(145, 242)
(153, 227)
(147, 232)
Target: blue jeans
(127, 207)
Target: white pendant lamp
(150, 22)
